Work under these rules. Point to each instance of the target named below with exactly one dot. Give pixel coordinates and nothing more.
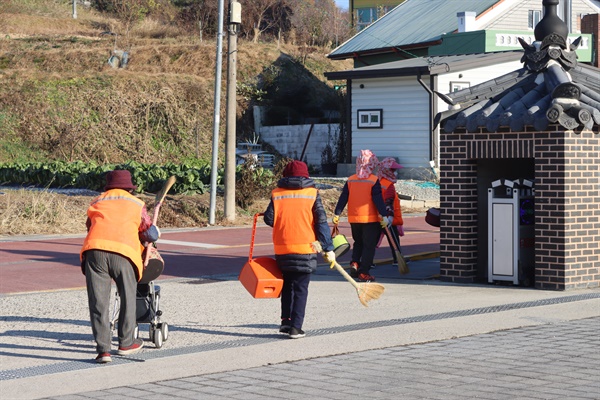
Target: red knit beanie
(119, 179)
(296, 168)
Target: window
(534, 17)
(457, 86)
(366, 16)
(370, 118)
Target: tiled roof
(427, 65)
(550, 88)
(412, 22)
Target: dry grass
(25, 212)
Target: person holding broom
(366, 213)
(387, 178)
(117, 225)
(298, 219)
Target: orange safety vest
(116, 216)
(385, 183)
(293, 226)
(361, 208)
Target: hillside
(61, 99)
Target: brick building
(538, 124)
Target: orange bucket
(261, 276)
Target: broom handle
(392, 241)
(345, 275)
(154, 220)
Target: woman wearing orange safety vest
(387, 177)
(298, 219)
(117, 224)
(366, 214)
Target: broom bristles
(369, 291)
(366, 291)
(402, 266)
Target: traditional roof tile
(550, 88)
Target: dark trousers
(365, 238)
(294, 295)
(100, 268)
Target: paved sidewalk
(557, 361)
(422, 339)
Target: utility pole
(235, 19)
(216, 119)
(74, 9)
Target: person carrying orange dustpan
(298, 219)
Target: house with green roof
(409, 59)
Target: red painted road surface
(42, 263)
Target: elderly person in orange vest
(366, 214)
(298, 219)
(117, 225)
(387, 178)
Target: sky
(342, 4)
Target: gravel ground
(416, 190)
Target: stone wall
(567, 203)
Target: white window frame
(370, 119)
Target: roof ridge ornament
(551, 22)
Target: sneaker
(103, 358)
(296, 333)
(362, 277)
(353, 269)
(285, 326)
(136, 347)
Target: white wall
(405, 132)
(289, 140)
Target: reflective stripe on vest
(116, 216)
(361, 208)
(385, 183)
(293, 227)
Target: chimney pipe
(466, 21)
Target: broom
(402, 267)
(366, 291)
(158, 200)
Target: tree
(202, 14)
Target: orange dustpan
(261, 276)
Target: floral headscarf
(387, 169)
(366, 163)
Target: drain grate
(79, 365)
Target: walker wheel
(158, 338)
(164, 328)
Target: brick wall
(590, 24)
(567, 203)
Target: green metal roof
(412, 22)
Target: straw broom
(159, 199)
(402, 266)
(366, 291)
